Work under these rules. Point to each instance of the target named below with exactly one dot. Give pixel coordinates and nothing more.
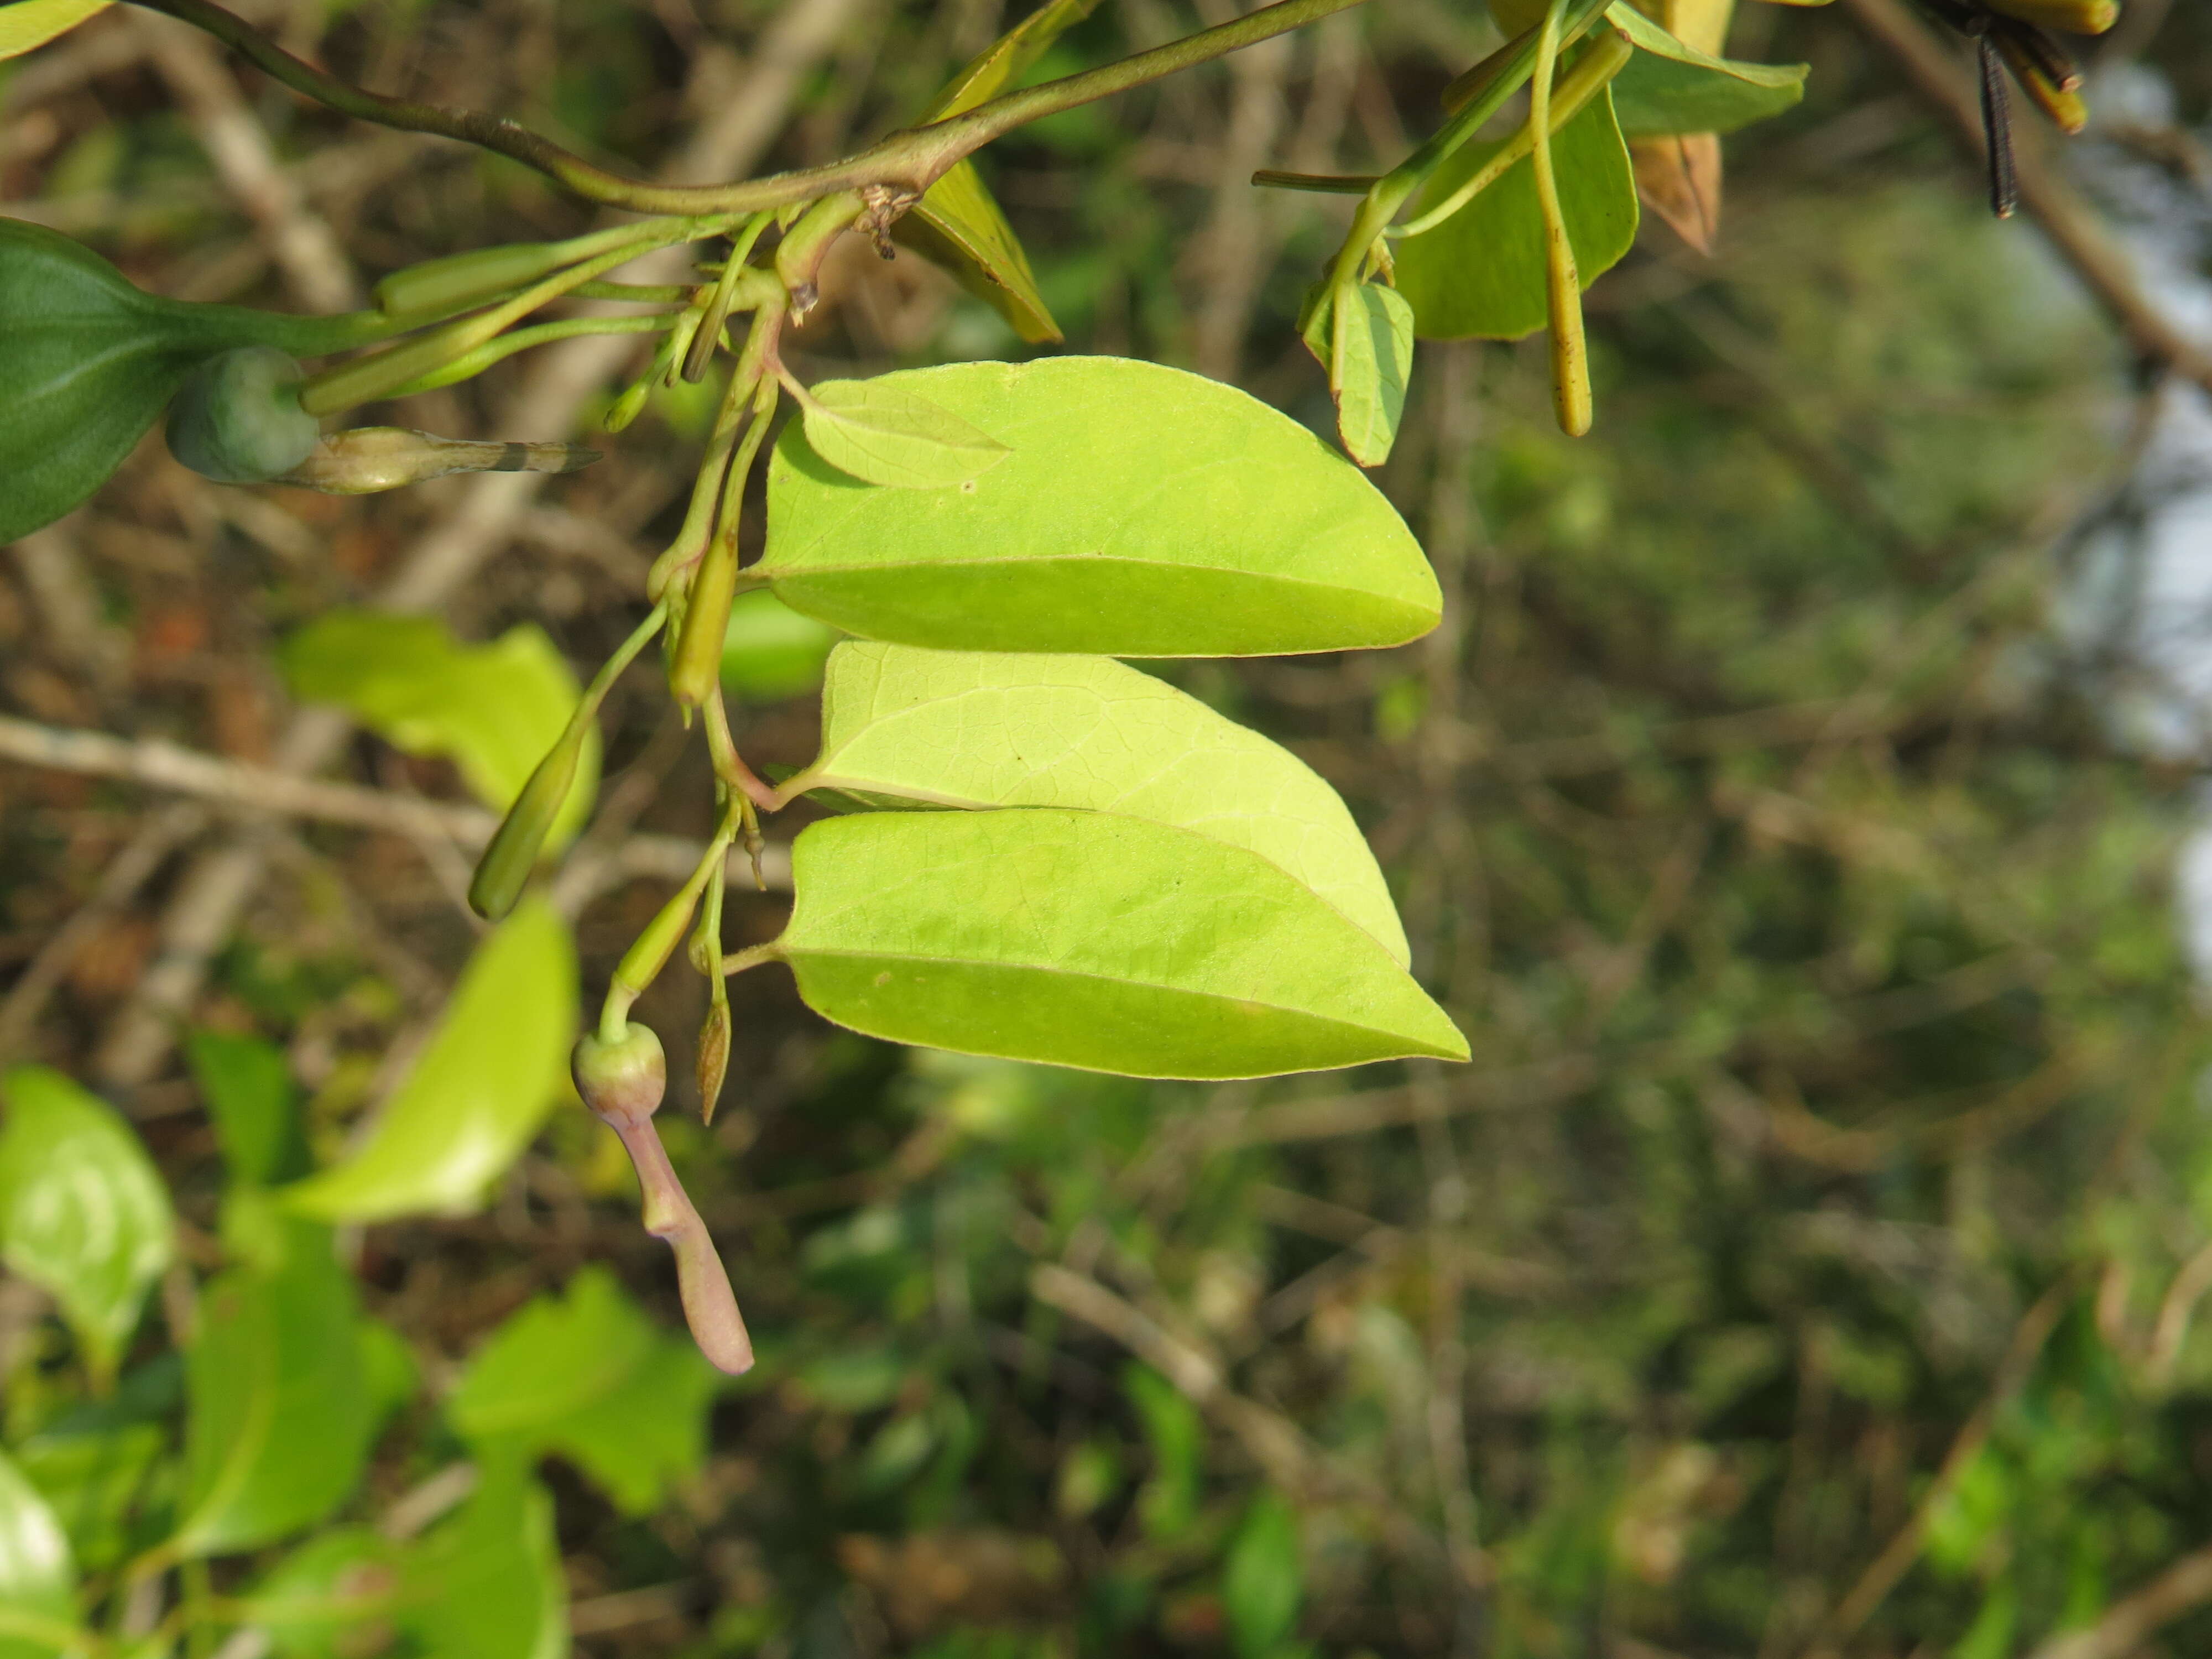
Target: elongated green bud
(696, 669)
(237, 419)
(438, 288)
(622, 1078)
(512, 855)
(2066, 16)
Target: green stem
(1396, 187)
(912, 160)
(1607, 56)
(1563, 287)
(368, 379)
(474, 363)
(1326, 184)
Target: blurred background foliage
(1806, 1264)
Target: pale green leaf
(281, 1414)
(1480, 274)
(1670, 87)
(37, 1580)
(594, 1381)
(488, 1584)
(977, 729)
(1263, 1582)
(769, 652)
(26, 25)
(491, 1073)
(494, 710)
(82, 1212)
(1084, 938)
(957, 224)
(1372, 343)
(1144, 513)
(884, 434)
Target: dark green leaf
(1079, 938)
(1144, 513)
(82, 1212)
(978, 729)
(1480, 274)
(492, 1070)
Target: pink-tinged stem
(710, 1306)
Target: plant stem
(912, 160)
(470, 365)
(1562, 287)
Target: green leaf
(98, 1483)
(1372, 343)
(28, 25)
(82, 1212)
(37, 1580)
(883, 433)
(1264, 1580)
(341, 1584)
(485, 1081)
(248, 1087)
(770, 652)
(1002, 63)
(974, 729)
(595, 1381)
(494, 709)
(488, 1584)
(1175, 1436)
(1080, 938)
(1480, 274)
(281, 1414)
(88, 360)
(957, 224)
(1144, 513)
(1671, 87)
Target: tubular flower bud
(368, 459)
(622, 1080)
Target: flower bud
(622, 1080)
(438, 288)
(512, 855)
(238, 419)
(2066, 16)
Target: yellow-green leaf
(494, 710)
(1144, 513)
(977, 729)
(885, 434)
(1087, 939)
(491, 1073)
(957, 224)
(26, 25)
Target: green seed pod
(622, 1080)
(238, 419)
